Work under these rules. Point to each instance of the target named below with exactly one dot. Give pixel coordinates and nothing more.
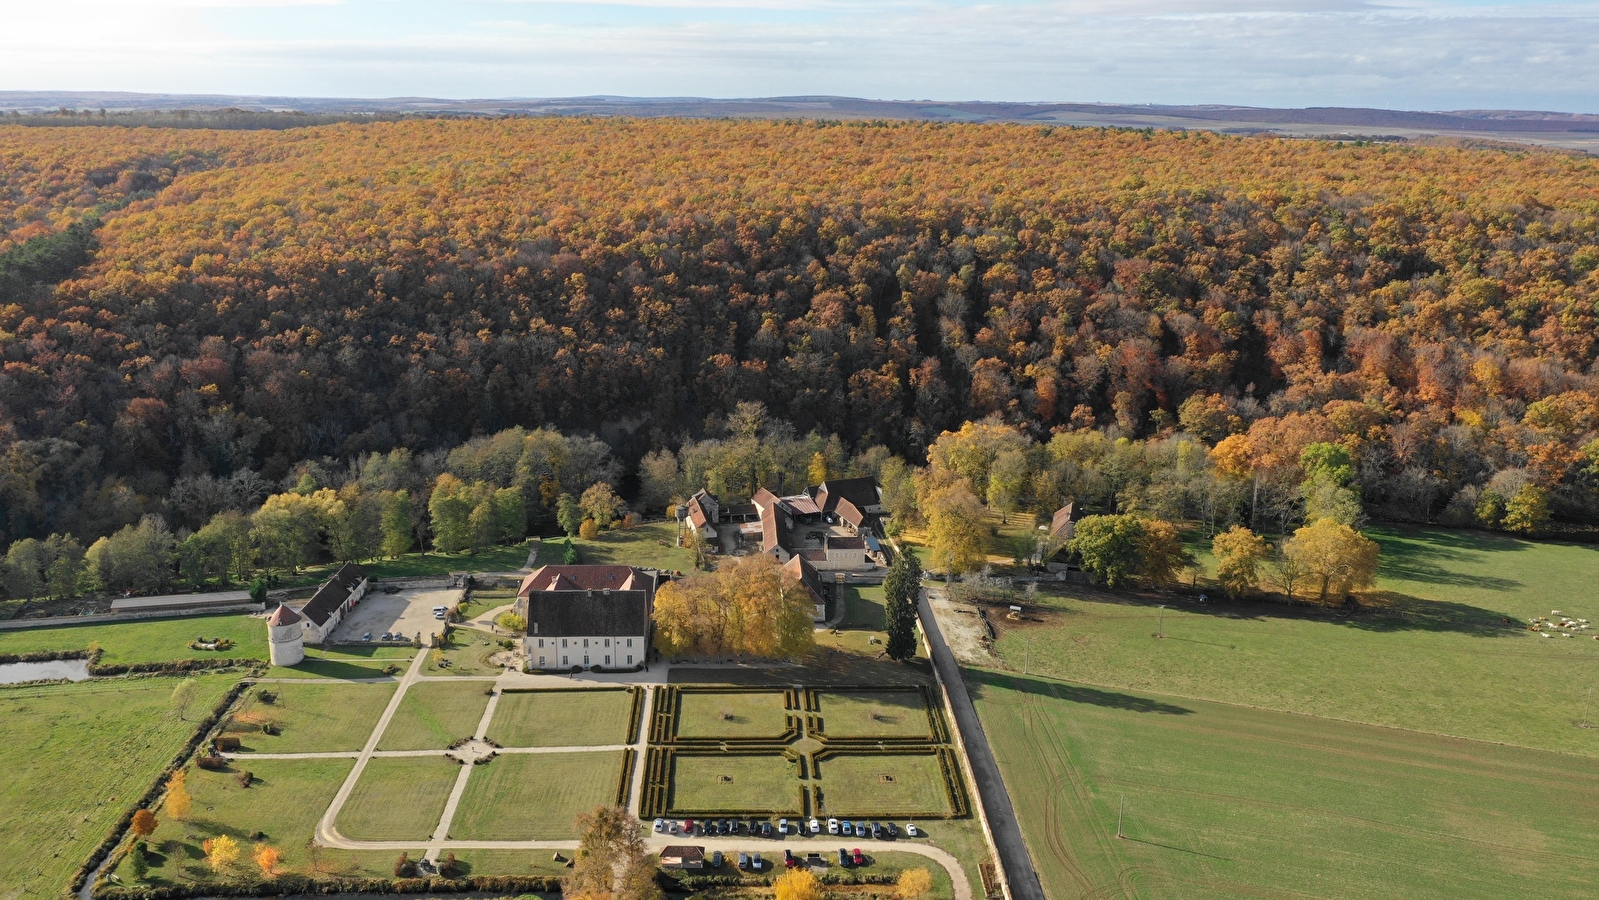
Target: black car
(893, 830)
(766, 829)
(844, 858)
(755, 827)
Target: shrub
(211, 763)
(226, 743)
(448, 867)
(139, 860)
(403, 867)
(245, 778)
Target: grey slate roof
(580, 613)
(332, 594)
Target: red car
(857, 857)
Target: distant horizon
(1404, 54)
(6, 93)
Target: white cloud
(1431, 55)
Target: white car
(782, 826)
(816, 827)
(832, 826)
(910, 830)
(674, 826)
(660, 825)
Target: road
(1020, 876)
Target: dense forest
(188, 318)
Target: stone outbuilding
(285, 637)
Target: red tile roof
(284, 616)
(582, 578)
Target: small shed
(682, 856)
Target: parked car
(789, 861)
(716, 859)
(744, 861)
(367, 636)
(673, 826)
(816, 827)
(688, 826)
(755, 862)
(439, 611)
(858, 857)
(877, 832)
(766, 829)
(892, 829)
(660, 825)
(845, 828)
(910, 830)
(832, 826)
(843, 857)
(782, 826)
(755, 827)
(860, 829)
(815, 861)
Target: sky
(1407, 54)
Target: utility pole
(1161, 629)
(1119, 810)
(1027, 659)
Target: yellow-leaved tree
(221, 852)
(797, 884)
(1239, 553)
(1338, 558)
(957, 539)
(914, 883)
(177, 802)
(745, 608)
(267, 858)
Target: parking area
(410, 613)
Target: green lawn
(146, 640)
(514, 862)
(314, 716)
(733, 782)
(398, 798)
(875, 785)
(1227, 801)
(731, 714)
(875, 714)
(483, 601)
(434, 714)
(535, 796)
(507, 558)
(284, 802)
(892, 863)
(647, 546)
(467, 652)
(562, 718)
(75, 756)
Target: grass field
(284, 802)
(433, 714)
(506, 558)
(1435, 656)
(648, 546)
(875, 714)
(876, 785)
(75, 756)
(146, 640)
(1228, 801)
(734, 782)
(731, 714)
(561, 718)
(398, 798)
(314, 716)
(535, 796)
(467, 652)
(347, 663)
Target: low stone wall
(60, 621)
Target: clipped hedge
(301, 884)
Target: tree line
(256, 299)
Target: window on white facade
(585, 659)
(607, 660)
(630, 642)
(541, 642)
(607, 642)
(563, 642)
(541, 662)
(630, 659)
(564, 662)
(585, 642)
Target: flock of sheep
(1566, 627)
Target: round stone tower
(285, 637)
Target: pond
(70, 669)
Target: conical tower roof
(284, 616)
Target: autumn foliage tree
(743, 608)
(1337, 558)
(143, 823)
(267, 857)
(221, 852)
(177, 800)
(1239, 555)
(797, 884)
(612, 861)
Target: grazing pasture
(1429, 650)
(1226, 801)
(75, 757)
